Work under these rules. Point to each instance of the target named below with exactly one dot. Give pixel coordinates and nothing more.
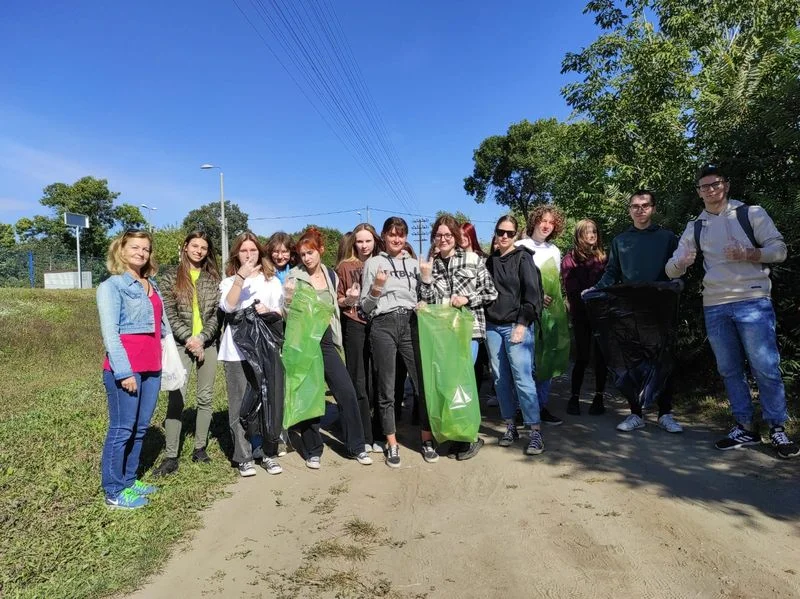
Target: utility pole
(420, 225)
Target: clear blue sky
(143, 93)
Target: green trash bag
(306, 321)
(552, 346)
(448, 375)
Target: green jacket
(180, 315)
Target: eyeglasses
(639, 207)
(441, 236)
(711, 186)
(504, 233)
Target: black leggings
(584, 346)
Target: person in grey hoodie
(737, 242)
(389, 296)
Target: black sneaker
(574, 406)
(781, 442)
(536, 446)
(393, 456)
(737, 437)
(471, 450)
(200, 455)
(429, 453)
(456, 447)
(509, 436)
(597, 406)
(167, 466)
(547, 418)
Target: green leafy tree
(207, 218)
(88, 196)
(460, 217)
(7, 238)
(167, 244)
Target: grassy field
(58, 538)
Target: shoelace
(536, 438)
(738, 433)
(511, 431)
(271, 463)
(394, 451)
(780, 438)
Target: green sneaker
(143, 489)
(126, 500)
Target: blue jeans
(128, 419)
(512, 366)
(747, 329)
(543, 391)
(474, 344)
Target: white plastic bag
(173, 374)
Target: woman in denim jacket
(128, 302)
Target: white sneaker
(668, 423)
(247, 469)
(631, 423)
(364, 459)
(368, 448)
(377, 448)
(313, 462)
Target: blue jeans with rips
(129, 417)
(746, 329)
(512, 366)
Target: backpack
(742, 216)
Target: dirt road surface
(599, 514)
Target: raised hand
(380, 279)
(352, 294)
(425, 270)
(288, 290)
(249, 269)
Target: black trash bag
(635, 328)
(259, 339)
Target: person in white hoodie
(736, 242)
(545, 224)
(389, 295)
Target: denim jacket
(125, 309)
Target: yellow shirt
(197, 321)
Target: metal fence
(27, 268)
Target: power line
(305, 215)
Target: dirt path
(599, 514)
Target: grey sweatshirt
(727, 281)
(401, 289)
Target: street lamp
(359, 216)
(223, 222)
(149, 214)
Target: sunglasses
(505, 233)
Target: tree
(517, 168)
(167, 245)
(7, 239)
(460, 217)
(87, 196)
(207, 218)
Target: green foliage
(167, 243)
(207, 218)
(460, 217)
(7, 238)
(88, 196)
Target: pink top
(144, 349)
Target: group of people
(371, 343)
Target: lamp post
(223, 222)
(149, 214)
(359, 216)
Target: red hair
(468, 230)
(312, 238)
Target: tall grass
(58, 538)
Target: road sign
(76, 220)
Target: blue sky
(143, 93)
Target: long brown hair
(583, 251)
(351, 253)
(267, 267)
(281, 238)
(184, 290)
(451, 223)
(116, 264)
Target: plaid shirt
(465, 275)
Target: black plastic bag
(635, 328)
(260, 339)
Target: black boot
(597, 406)
(167, 466)
(574, 406)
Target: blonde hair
(116, 265)
(350, 254)
(584, 251)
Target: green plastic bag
(552, 346)
(448, 375)
(306, 322)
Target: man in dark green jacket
(638, 255)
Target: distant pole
(367, 213)
(30, 269)
(224, 222)
(78, 238)
(419, 231)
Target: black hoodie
(519, 288)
